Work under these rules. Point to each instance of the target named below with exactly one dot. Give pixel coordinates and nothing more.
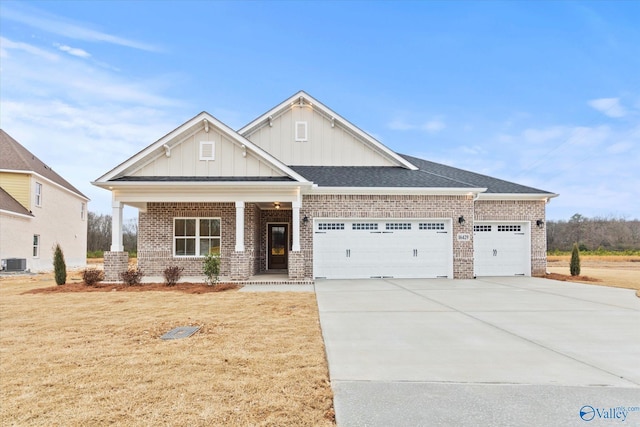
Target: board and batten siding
(184, 159)
(325, 145)
(18, 185)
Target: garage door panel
(373, 248)
(501, 249)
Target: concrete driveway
(491, 351)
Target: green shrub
(574, 265)
(211, 268)
(172, 275)
(133, 276)
(91, 276)
(59, 266)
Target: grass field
(96, 358)
(615, 271)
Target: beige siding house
(38, 208)
(301, 191)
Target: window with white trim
(38, 194)
(481, 228)
(36, 245)
(301, 131)
(196, 236)
(207, 150)
(83, 210)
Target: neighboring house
(301, 190)
(38, 208)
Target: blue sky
(545, 94)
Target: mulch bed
(187, 288)
(567, 278)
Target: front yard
(97, 359)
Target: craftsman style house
(301, 190)
(38, 208)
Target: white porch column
(116, 227)
(295, 225)
(239, 226)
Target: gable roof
(303, 98)
(202, 120)
(14, 157)
(9, 204)
(493, 185)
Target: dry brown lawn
(87, 359)
(615, 271)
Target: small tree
(574, 265)
(211, 268)
(59, 266)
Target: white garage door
(364, 248)
(501, 249)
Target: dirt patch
(568, 278)
(187, 288)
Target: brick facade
(392, 206)
(155, 244)
(520, 210)
(114, 264)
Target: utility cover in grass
(180, 332)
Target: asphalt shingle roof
(429, 175)
(8, 203)
(13, 156)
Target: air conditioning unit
(14, 264)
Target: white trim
(400, 191)
(516, 196)
(296, 99)
(2, 211)
(36, 246)
(37, 194)
(157, 149)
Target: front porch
(258, 242)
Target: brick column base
(114, 264)
(240, 263)
(296, 265)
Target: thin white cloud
(398, 124)
(433, 126)
(608, 106)
(73, 51)
(57, 25)
(6, 45)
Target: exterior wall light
(540, 223)
(461, 220)
(305, 219)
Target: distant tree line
(99, 233)
(610, 234)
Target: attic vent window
(207, 150)
(301, 131)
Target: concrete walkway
(491, 351)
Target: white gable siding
(184, 159)
(325, 145)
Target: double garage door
(501, 249)
(365, 248)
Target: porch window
(196, 236)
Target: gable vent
(301, 131)
(207, 150)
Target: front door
(278, 236)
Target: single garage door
(501, 249)
(365, 248)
